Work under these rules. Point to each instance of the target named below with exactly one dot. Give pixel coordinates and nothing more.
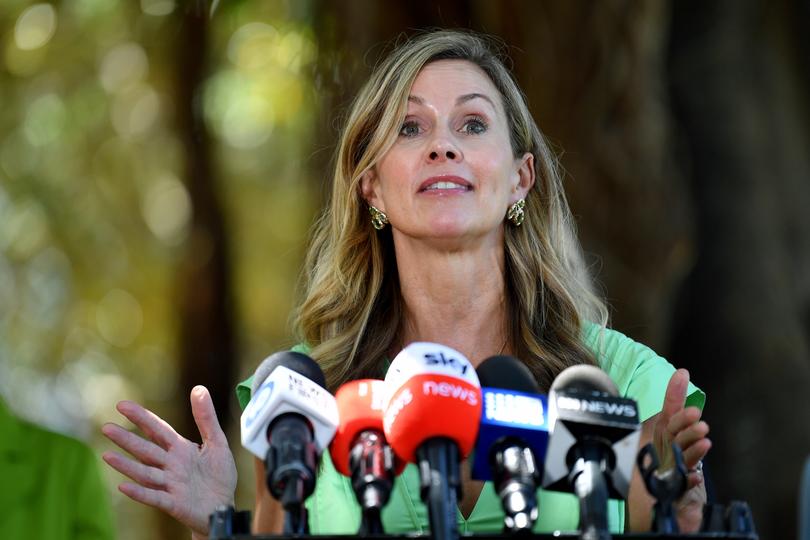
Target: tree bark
(207, 343)
(743, 323)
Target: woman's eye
(474, 126)
(409, 129)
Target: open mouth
(446, 186)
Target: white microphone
(289, 421)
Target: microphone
(431, 418)
(360, 450)
(288, 422)
(512, 438)
(593, 444)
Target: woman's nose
(442, 149)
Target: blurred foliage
(94, 214)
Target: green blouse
(638, 372)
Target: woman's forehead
(451, 80)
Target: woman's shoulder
(638, 371)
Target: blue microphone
(512, 438)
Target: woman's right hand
(184, 479)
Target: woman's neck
(456, 298)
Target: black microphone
(288, 423)
(512, 438)
(593, 444)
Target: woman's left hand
(683, 426)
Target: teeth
(445, 185)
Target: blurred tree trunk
(740, 94)
(595, 77)
(206, 346)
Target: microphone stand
(439, 475)
(372, 464)
(290, 467)
(590, 486)
(516, 477)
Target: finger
(683, 420)
(675, 395)
(674, 398)
(146, 451)
(696, 452)
(205, 416)
(692, 458)
(153, 426)
(147, 476)
(694, 479)
(152, 497)
(692, 434)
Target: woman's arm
(683, 426)
(268, 516)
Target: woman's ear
(369, 189)
(524, 177)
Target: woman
(447, 223)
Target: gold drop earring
(378, 217)
(516, 213)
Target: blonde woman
(447, 223)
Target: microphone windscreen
(507, 372)
(433, 392)
(360, 406)
(298, 362)
(584, 378)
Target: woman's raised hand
(683, 426)
(184, 479)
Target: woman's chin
(448, 234)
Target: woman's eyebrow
(461, 99)
(467, 97)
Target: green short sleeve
(243, 388)
(637, 370)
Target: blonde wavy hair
(352, 311)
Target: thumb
(675, 396)
(202, 408)
(674, 399)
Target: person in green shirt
(447, 223)
(51, 485)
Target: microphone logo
(433, 359)
(446, 389)
(511, 408)
(376, 389)
(256, 405)
(396, 406)
(596, 407)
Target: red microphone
(359, 449)
(431, 418)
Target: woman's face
(451, 173)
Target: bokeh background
(161, 162)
